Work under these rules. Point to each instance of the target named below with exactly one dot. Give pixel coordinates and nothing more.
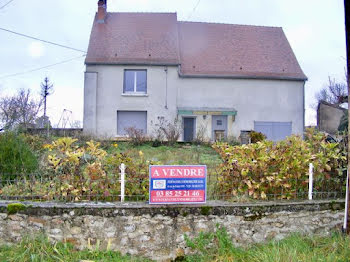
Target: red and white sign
(177, 184)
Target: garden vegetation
(68, 169)
(268, 170)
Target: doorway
(189, 128)
(219, 125)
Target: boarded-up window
(274, 131)
(136, 119)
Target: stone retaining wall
(157, 232)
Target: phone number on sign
(177, 193)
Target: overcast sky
(314, 28)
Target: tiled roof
(201, 49)
(135, 38)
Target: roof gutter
(131, 63)
(242, 77)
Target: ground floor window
(135, 119)
(274, 131)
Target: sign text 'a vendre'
(177, 184)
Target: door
(274, 131)
(189, 127)
(219, 126)
(136, 119)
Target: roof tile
(201, 49)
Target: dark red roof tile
(201, 49)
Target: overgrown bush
(232, 141)
(171, 130)
(16, 157)
(201, 137)
(256, 136)
(84, 172)
(265, 170)
(137, 137)
(35, 142)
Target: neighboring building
(216, 78)
(328, 117)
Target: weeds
(218, 246)
(40, 249)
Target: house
(329, 116)
(217, 79)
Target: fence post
(311, 178)
(345, 229)
(122, 182)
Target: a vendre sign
(177, 184)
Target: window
(135, 81)
(136, 119)
(219, 122)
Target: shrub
(171, 130)
(16, 157)
(136, 136)
(232, 141)
(35, 142)
(256, 137)
(265, 170)
(83, 172)
(201, 135)
(156, 143)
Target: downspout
(166, 87)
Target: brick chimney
(102, 11)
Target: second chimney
(102, 11)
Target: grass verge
(299, 248)
(40, 249)
(206, 247)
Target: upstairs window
(135, 81)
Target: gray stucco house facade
(218, 78)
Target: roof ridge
(199, 22)
(153, 13)
(218, 23)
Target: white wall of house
(110, 97)
(254, 100)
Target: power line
(194, 9)
(45, 41)
(40, 68)
(6, 4)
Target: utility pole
(46, 90)
(347, 30)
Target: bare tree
(334, 93)
(8, 113)
(19, 110)
(46, 90)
